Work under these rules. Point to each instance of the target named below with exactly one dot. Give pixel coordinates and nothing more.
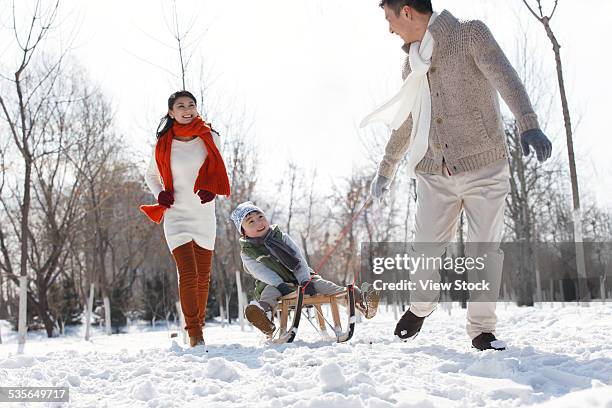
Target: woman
(186, 173)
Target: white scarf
(413, 97)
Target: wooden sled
(296, 301)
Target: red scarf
(212, 175)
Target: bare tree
(21, 112)
(4, 268)
(530, 183)
(55, 205)
(185, 43)
(181, 37)
(241, 162)
(309, 214)
(544, 19)
(96, 160)
(600, 248)
(293, 181)
(348, 201)
(131, 241)
(530, 186)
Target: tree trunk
(10, 296)
(3, 313)
(240, 301)
(43, 311)
(552, 292)
(107, 316)
(580, 263)
(222, 313)
(23, 308)
(524, 230)
(60, 324)
(25, 213)
(525, 292)
(227, 308)
(89, 312)
(534, 251)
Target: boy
(276, 263)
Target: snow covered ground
(557, 357)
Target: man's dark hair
(422, 6)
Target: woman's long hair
(166, 123)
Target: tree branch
(532, 11)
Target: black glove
(206, 196)
(379, 186)
(284, 289)
(540, 143)
(310, 289)
(165, 198)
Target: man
(447, 119)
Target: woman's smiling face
(255, 225)
(184, 110)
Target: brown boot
(258, 318)
(197, 340)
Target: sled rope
(311, 323)
(326, 321)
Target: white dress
(187, 219)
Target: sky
(303, 73)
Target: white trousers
(440, 199)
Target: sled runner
(295, 302)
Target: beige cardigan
(467, 69)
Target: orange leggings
(194, 264)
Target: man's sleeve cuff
(528, 122)
(386, 169)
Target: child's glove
(206, 196)
(284, 289)
(165, 198)
(310, 289)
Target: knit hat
(240, 213)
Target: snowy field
(557, 357)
